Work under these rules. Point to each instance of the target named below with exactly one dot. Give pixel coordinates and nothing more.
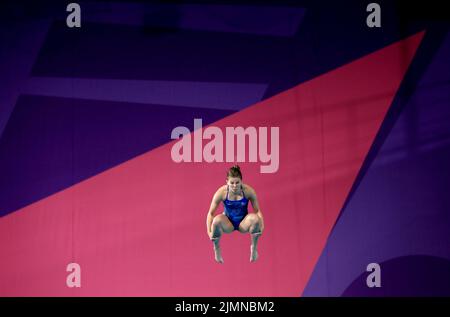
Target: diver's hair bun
(234, 171)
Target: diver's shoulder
(221, 191)
(248, 190)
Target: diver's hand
(210, 235)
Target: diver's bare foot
(253, 254)
(218, 255)
(217, 251)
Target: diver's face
(234, 183)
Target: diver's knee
(217, 221)
(253, 219)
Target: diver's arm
(214, 205)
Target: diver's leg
(221, 224)
(252, 224)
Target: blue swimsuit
(236, 210)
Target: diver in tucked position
(235, 197)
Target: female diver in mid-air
(235, 197)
